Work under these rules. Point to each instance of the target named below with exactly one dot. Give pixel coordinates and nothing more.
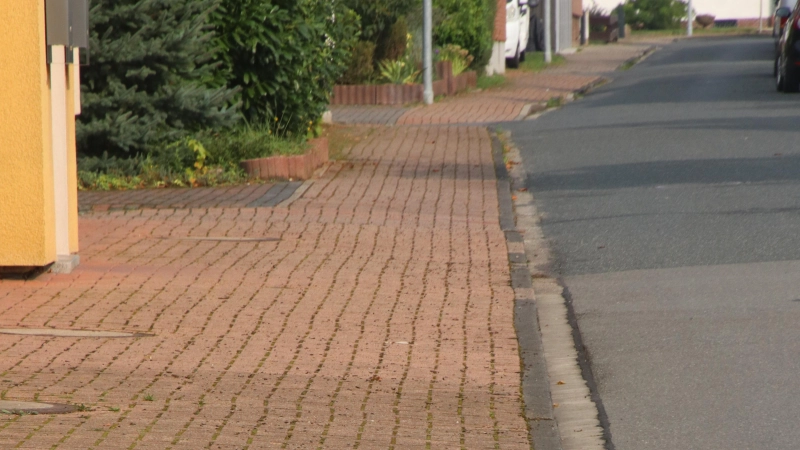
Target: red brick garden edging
(399, 94)
(299, 167)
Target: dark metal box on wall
(67, 22)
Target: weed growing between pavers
(555, 102)
(534, 62)
(493, 81)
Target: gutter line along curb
(555, 372)
(542, 427)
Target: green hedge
(468, 24)
(285, 55)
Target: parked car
(783, 8)
(536, 30)
(787, 59)
(517, 31)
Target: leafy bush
(145, 85)
(655, 14)
(399, 72)
(468, 24)
(285, 55)
(458, 57)
(205, 159)
(361, 66)
(377, 16)
(248, 142)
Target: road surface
(671, 199)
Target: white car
(518, 20)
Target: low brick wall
(400, 94)
(299, 167)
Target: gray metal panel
(79, 23)
(57, 22)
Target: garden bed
(399, 94)
(297, 167)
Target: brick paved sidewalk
(373, 312)
(510, 102)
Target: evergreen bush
(362, 64)
(393, 45)
(145, 86)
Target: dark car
(783, 9)
(787, 60)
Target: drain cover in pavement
(12, 407)
(224, 239)
(68, 333)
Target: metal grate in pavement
(373, 115)
(245, 196)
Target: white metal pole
(548, 52)
(761, 16)
(557, 31)
(689, 24)
(427, 51)
(586, 25)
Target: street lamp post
(548, 51)
(427, 51)
(689, 24)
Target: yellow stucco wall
(27, 212)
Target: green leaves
(468, 24)
(285, 55)
(655, 14)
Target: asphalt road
(671, 198)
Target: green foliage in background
(377, 16)
(393, 45)
(468, 24)
(285, 55)
(208, 158)
(459, 58)
(655, 14)
(146, 84)
(398, 72)
(361, 66)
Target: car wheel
(776, 66)
(790, 81)
(514, 62)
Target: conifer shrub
(362, 64)
(147, 82)
(393, 45)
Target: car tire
(776, 66)
(513, 63)
(789, 80)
